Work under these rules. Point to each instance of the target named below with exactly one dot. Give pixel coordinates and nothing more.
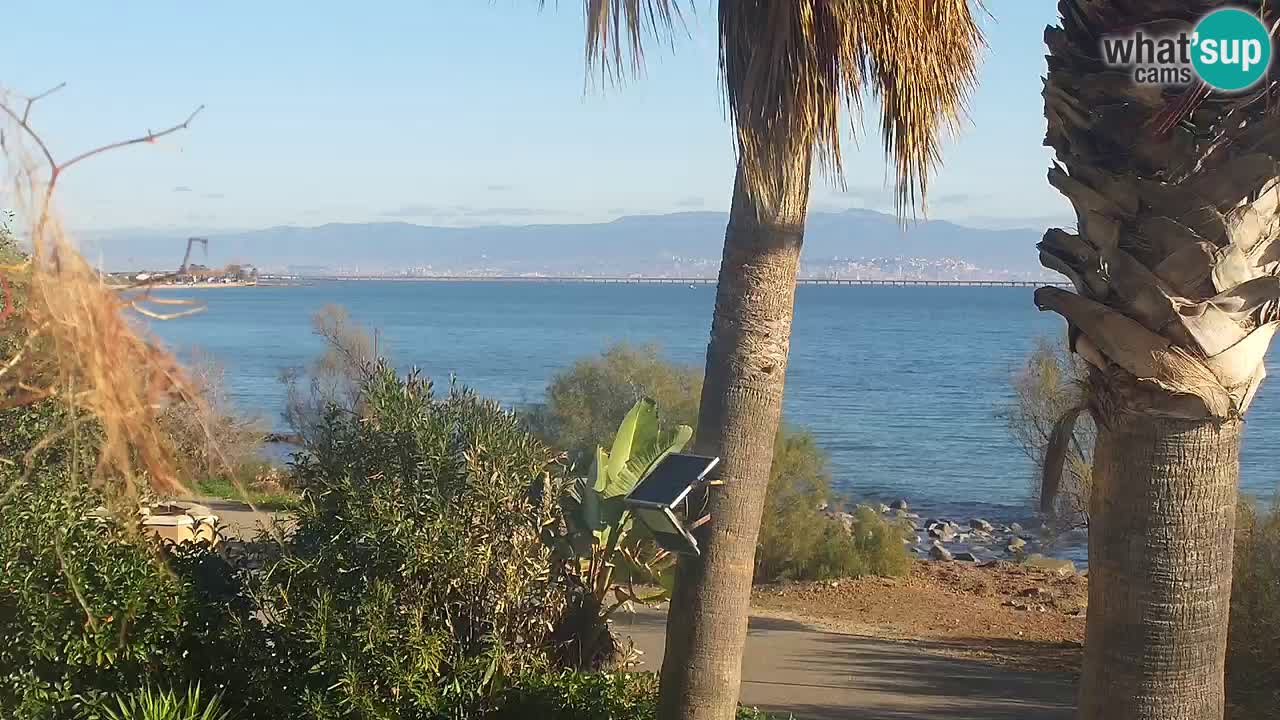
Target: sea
(903, 386)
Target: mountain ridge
(629, 243)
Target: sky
(450, 112)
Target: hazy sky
(455, 112)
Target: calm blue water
(901, 385)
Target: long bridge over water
(629, 280)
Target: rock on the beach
(1061, 568)
(883, 508)
(980, 524)
(966, 557)
(1015, 528)
(1016, 544)
(943, 532)
(899, 505)
(937, 552)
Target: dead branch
(56, 168)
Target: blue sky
(450, 112)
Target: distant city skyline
(452, 113)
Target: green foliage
(261, 484)
(418, 582)
(591, 696)
(1253, 645)
(88, 605)
(597, 538)
(582, 696)
(151, 704)
(586, 402)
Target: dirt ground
(1003, 612)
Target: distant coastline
(199, 285)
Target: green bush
(90, 607)
(581, 696)
(1253, 645)
(589, 696)
(150, 704)
(417, 583)
(585, 403)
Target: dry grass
(80, 342)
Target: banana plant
(599, 525)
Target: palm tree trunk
(738, 421)
(1160, 544)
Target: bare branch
(22, 123)
(26, 113)
(149, 137)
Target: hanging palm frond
(791, 67)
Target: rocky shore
(974, 540)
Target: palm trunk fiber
(1162, 519)
(738, 420)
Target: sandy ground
(1004, 612)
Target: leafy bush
(418, 583)
(88, 605)
(581, 696)
(586, 402)
(1253, 644)
(589, 696)
(151, 704)
(816, 548)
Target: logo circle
(1231, 49)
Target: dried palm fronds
(1176, 261)
(791, 68)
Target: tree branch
(149, 137)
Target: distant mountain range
(680, 243)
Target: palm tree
(1177, 297)
(789, 68)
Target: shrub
(1253, 644)
(589, 696)
(817, 547)
(585, 402)
(581, 696)
(418, 582)
(88, 605)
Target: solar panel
(667, 531)
(671, 480)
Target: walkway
(821, 675)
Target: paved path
(814, 673)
